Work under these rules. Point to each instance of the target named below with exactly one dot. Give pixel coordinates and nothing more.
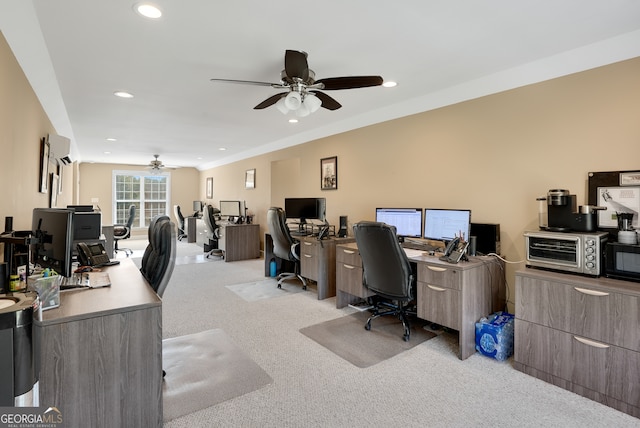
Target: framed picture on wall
(209, 187)
(44, 165)
(53, 202)
(329, 173)
(250, 179)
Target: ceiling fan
(155, 165)
(303, 93)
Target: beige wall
(23, 123)
(494, 155)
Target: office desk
(239, 241)
(452, 295)
(101, 353)
(317, 261)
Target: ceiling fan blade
(270, 101)
(249, 82)
(327, 102)
(350, 82)
(295, 65)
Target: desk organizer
(48, 289)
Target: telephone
(93, 255)
(455, 250)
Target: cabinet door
(439, 305)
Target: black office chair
(386, 272)
(123, 231)
(213, 231)
(159, 257)
(284, 246)
(182, 232)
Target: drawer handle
(307, 243)
(591, 342)
(349, 266)
(433, 287)
(307, 256)
(591, 292)
(436, 269)
(349, 251)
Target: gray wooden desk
(101, 353)
(452, 295)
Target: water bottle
(272, 268)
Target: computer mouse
(82, 269)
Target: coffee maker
(562, 215)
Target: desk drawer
(595, 365)
(309, 248)
(442, 276)
(439, 305)
(350, 256)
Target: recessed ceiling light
(107, 153)
(389, 84)
(148, 10)
(222, 149)
(123, 94)
(293, 120)
(111, 139)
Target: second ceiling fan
(303, 93)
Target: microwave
(573, 252)
(623, 261)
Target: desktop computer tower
(487, 237)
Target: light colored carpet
(204, 369)
(347, 338)
(426, 386)
(264, 289)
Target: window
(149, 193)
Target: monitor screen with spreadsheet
(408, 221)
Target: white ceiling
(76, 53)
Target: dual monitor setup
(431, 223)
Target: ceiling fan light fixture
(293, 101)
(303, 110)
(312, 102)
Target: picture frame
(250, 179)
(45, 150)
(209, 187)
(60, 169)
(630, 178)
(53, 201)
(329, 173)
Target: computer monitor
(81, 208)
(53, 229)
(197, 206)
(408, 221)
(230, 209)
(446, 224)
(305, 209)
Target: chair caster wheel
(406, 338)
(279, 285)
(367, 326)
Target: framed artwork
(209, 187)
(45, 148)
(60, 169)
(630, 178)
(250, 179)
(329, 173)
(54, 191)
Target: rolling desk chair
(284, 246)
(180, 219)
(159, 257)
(123, 231)
(386, 272)
(213, 231)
